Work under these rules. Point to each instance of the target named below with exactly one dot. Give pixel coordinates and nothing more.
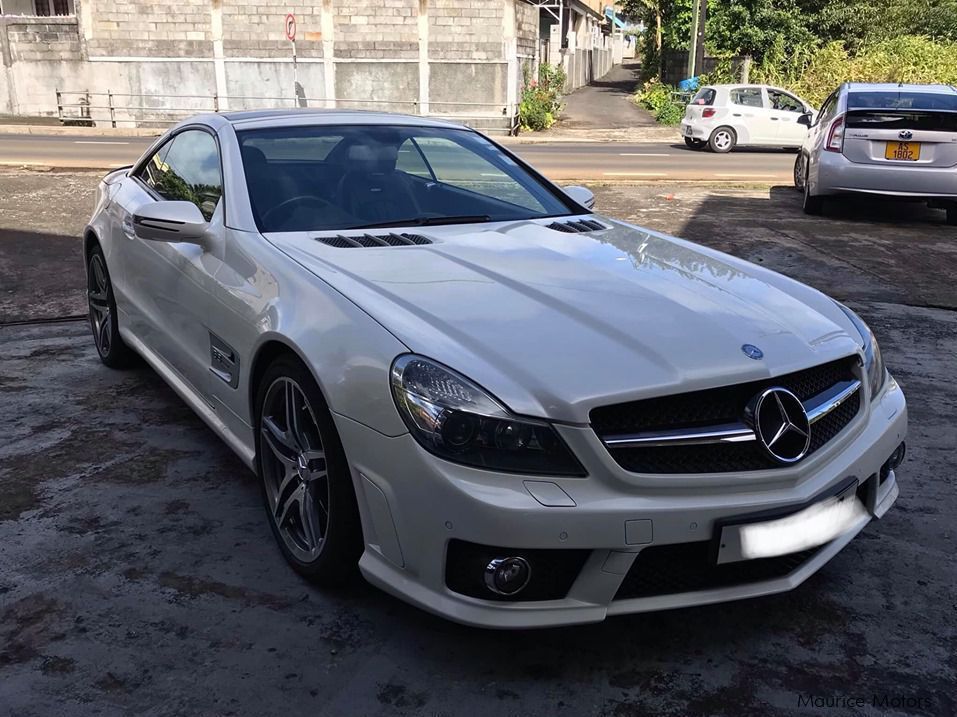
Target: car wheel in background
(812, 205)
(722, 140)
(800, 172)
(306, 482)
(952, 215)
(102, 309)
(694, 143)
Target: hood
(554, 324)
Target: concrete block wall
(434, 56)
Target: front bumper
(413, 505)
(836, 174)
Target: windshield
(321, 178)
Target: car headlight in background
(455, 419)
(874, 368)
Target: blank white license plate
(810, 527)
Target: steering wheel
(303, 199)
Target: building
(146, 62)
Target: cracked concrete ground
(138, 574)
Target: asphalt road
(590, 161)
(138, 574)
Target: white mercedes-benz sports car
(505, 408)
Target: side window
(410, 160)
(192, 171)
(784, 101)
(827, 109)
(151, 173)
(747, 96)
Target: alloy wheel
(294, 470)
(98, 298)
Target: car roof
(899, 87)
(250, 119)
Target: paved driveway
(607, 103)
(138, 575)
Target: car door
(749, 108)
(785, 110)
(166, 285)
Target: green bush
(658, 99)
(541, 98)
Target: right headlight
(874, 368)
(457, 420)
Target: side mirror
(582, 195)
(170, 221)
(806, 119)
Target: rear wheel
(694, 143)
(102, 310)
(812, 205)
(800, 172)
(307, 486)
(722, 140)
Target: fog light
(507, 576)
(897, 457)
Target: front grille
(689, 567)
(716, 406)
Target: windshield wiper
(426, 221)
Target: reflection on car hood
(554, 324)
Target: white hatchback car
(723, 117)
(501, 406)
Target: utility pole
(696, 44)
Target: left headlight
(874, 368)
(457, 420)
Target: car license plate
(815, 525)
(905, 151)
(688, 131)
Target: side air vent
(577, 226)
(341, 241)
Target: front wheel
(722, 140)
(307, 485)
(101, 304)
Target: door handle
(775, 119)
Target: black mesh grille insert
(688, 567)
(577, 226)
(341, 241)
(713, 407)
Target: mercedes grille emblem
(752, 352)
(780, 424)
(905, 134)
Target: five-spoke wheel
(307, 486)
(102, 310)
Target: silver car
(499, 405)
(893, 140)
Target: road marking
(634, 174)
(642, 154)
(749, 175)
(95, 141)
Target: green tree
(761, 29)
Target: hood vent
(578, 226)
(341, 241)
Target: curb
(79, 131)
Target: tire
(101, 306)
(800, 172)
(694, 143)
(812, 205)
(306, 482)
(722, 140)
(952, 215)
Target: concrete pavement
(564, 161)
(607, 103)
